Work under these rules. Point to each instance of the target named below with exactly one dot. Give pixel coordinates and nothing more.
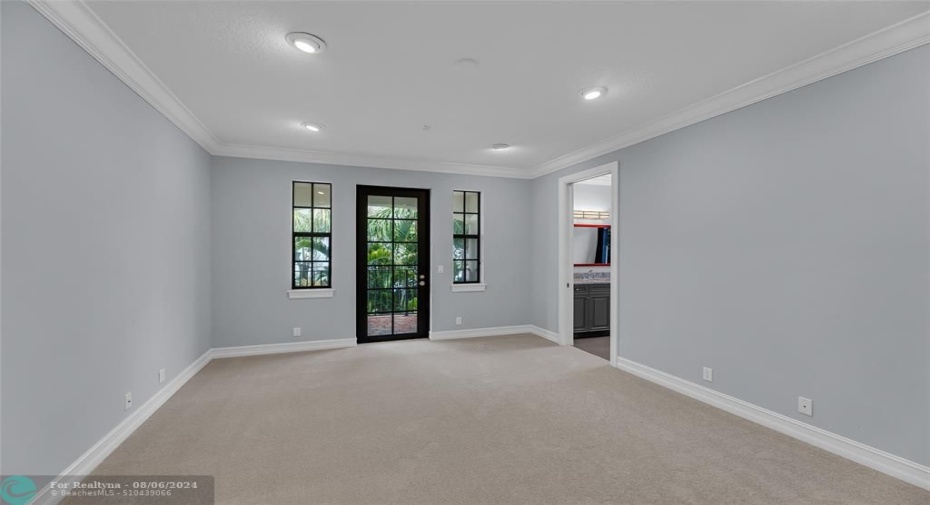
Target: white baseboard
(85, 464)
(480, 332)
(876, 459)
(495, 332)
(256, 350)
(546, 334)
(871, 457)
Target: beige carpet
(508, 420)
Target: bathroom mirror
(591, 245)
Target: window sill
(468, 288)
(310, 293)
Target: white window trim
(297, 294)
(481, 285)
(470, 287)
(310, 293)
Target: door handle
(422, 283)
(422, 277)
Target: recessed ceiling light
(314, 127)
(593, 92)
(466, 65)
(500, 147)
(306, 42)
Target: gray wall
(251, 237)
(105, 253)
(785, 245)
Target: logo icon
(17, 490)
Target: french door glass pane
(379, 277)
(405, 208)
(379, 301)
(380, 325)
(405, 230)
(405, 323)
(405, 276)
(393, 256)
(411, 300)
(402, 298)
(379, 206)
(380, 254)
(379, 230)
(405, 254)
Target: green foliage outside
(312, 248)
(393, 242)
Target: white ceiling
(389, 68)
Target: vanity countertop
(591, 280)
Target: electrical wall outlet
(458, 320)
(708, 374)
(805, 406)
(439, 269)
(127, 401)
(161, 375)
(296, 332)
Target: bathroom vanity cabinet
(592, 310)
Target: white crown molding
(897, 38)
(358, 160)
(876, 459)
(78, 21)
(82, 25)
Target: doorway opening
(588, 261)
(392, 264)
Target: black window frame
(466, 237)
(311, 234)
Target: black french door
(392, 263)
